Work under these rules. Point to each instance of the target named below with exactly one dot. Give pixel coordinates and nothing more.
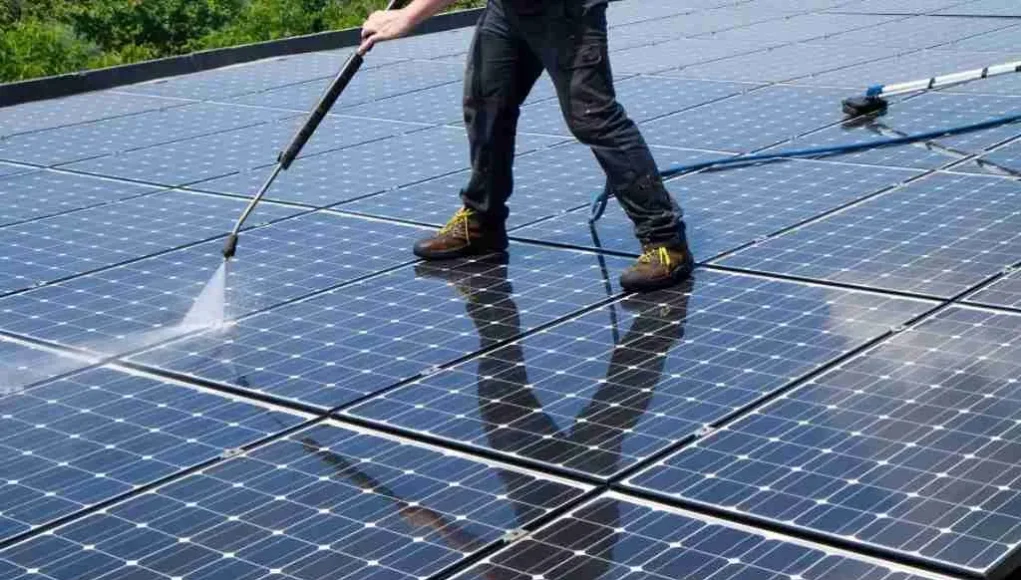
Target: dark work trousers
(513, 44)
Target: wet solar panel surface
(831, 397)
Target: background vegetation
(48, 37)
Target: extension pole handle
(326, 102)
(945, 80)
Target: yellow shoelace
(661, 253)
(460, 219)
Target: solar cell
(327, 502)
(37, 194)
(749, 121)
(579, 397)
(937, 236)
(381, 82)
(728, 208)
(77, 441)
(229, 152)
(616, 536)
(137, 305)
(73, 243)
(911, 447)
(1005, 293)
(369, 168)
(643, 97)
(77, 142)
(38, 115)
(358, 339)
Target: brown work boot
(660, 266)
(464, 235)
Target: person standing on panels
(515, 40)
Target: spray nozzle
(230, 247)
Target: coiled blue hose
(600, 200)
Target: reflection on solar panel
(82, 440)
(327, 502)
(579, 397)
(360, 338)
(937, 236)
(912, 447)
(494, 396)
(620, 537)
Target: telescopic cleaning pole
(872, 101)
(288, 155)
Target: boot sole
(466, 252)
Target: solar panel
(22, 365)
(579, 397)
(140, 304)
(546, 183)
(937, 236)
(1000, 40)
(1007, 85)
(329, 501)
(799, 28)
(644, 98)
(910, 448)
(82, 440)
(1005, 160)
(783, 63)
(1005, 293)
(77, 142)
(426, 46)
(243, 79)
(39, 115)
(616, 536)
(379, 83)
(984, 8)
(37, 194)
(369, 168)
(666, 57)
(729, 208)
(749, 121)
(7, 169)
(353, 341)
(908, 67)
(917, 33)
(211, 156)
(901, 7)
(73, 243)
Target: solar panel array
(833, 395)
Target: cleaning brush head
(863, 105)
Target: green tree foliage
(47, 37)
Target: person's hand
(384, 25)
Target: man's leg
(575, 52)
(500, 72)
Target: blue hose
(600, 200)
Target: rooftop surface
(835, 395)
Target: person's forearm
(421, 10)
